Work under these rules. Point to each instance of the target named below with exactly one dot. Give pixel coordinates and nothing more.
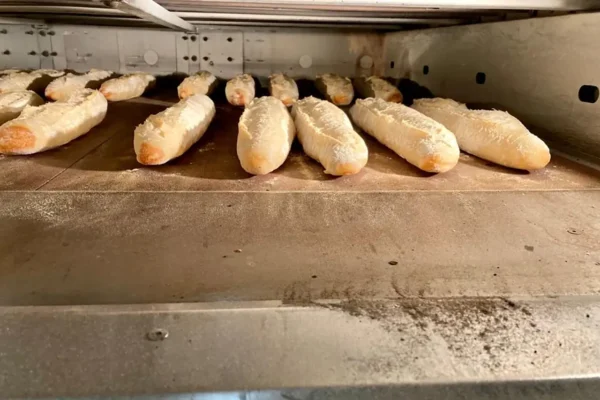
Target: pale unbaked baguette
(34, 80)
(265, 135)
(12, 103)
(63, 87)
(127, 86)
(201, 83)
(170, 133)
(327, 135)
(493, 135)
(283, 88)
(240, 90)
(337, 89)
(418, 139)
(377, 87)
(53, 124)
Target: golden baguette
(170, 133)
(265, 135)
(327, 135)
(418, 139)
(492, 135)
(127, 86)
(336, 89)
(53, 124)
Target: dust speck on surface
(393, 262)
(237, 251)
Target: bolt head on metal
(156, 335)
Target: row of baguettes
(430, 140)
(429, 143)
(239, 91)
(339, 90)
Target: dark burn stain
(529, 248)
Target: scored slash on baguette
(379, 88)
(53, 124)
(63, 88)
(170, 133)
(240, 90)
(127, 86)
(327, 135)
(284, 88)
(493, 135)
(336, 89)
(203, 82)
(418, 139)
(265, 135)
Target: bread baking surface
(492, 135)
(418, 139)
(203, 82)
(12, 103)
(374, 86)
(63, 87)
(265, 135)
(283, 88)
(336, 89)
(34, 80)
(53, 124)
(240, 90)
(170, 133)
(127, 86)
(327, 135)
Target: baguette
(283, 88)
(35, 80)
(418, 139)
(495, 136)
(53, 124)
(127, 86)
(240, 90)
(63, 87)
(265, 135)
(377, 87)
(170, 133)
(12, 103)
(336, 89)
(327, 135)
(201, 83)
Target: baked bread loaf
(379, 88)
(34, 80)
(494, 135)
(53, 124)
(284, 88)
(127, 86)
(327, 135)
(201, 83)
(170, 133)
(63, 87)
(336, 89)
(240, 90)
(12, 103)
(265, 135)
(418, 139)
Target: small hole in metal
(186, 58)
(194, 58)
(392, 64)
(480, 78)
(589, 94)
(229, 59)
(205, 38)
(205, 58)
(184, 37)
(425, 69)
(193, 38)
(230, 39)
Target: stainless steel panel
(88, 351)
